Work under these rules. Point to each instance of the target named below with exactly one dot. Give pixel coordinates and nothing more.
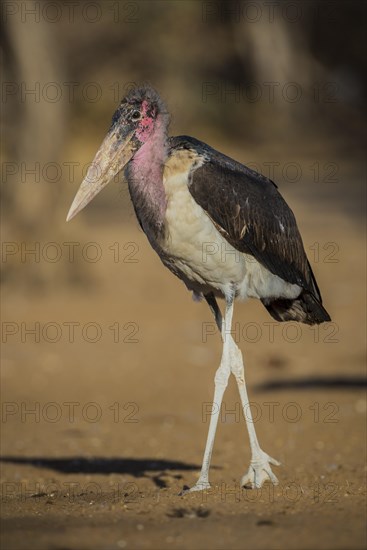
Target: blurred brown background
(279, 86)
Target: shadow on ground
(316, 382)
(80, 465)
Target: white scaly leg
(259, 470)
(220, 381)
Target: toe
(200, 486)
(273, 461)
(247, 480)
(273, 477)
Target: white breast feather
(201, 252)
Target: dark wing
(250, 213)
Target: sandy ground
(105, 405)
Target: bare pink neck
(145, 176)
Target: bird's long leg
(220, 381)
(259, 470)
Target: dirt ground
(106, 403)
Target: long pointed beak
(114, 153)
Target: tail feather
(305, 309)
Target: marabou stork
(192, 203)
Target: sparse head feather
(141, 111)
(137, 95)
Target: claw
(259, 472)
(199, 486)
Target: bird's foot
(199, 486)
(259, 472)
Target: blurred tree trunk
(36, 123)
(281, 64)
(35, 120)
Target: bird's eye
(135, 115)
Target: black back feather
(248, 210)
